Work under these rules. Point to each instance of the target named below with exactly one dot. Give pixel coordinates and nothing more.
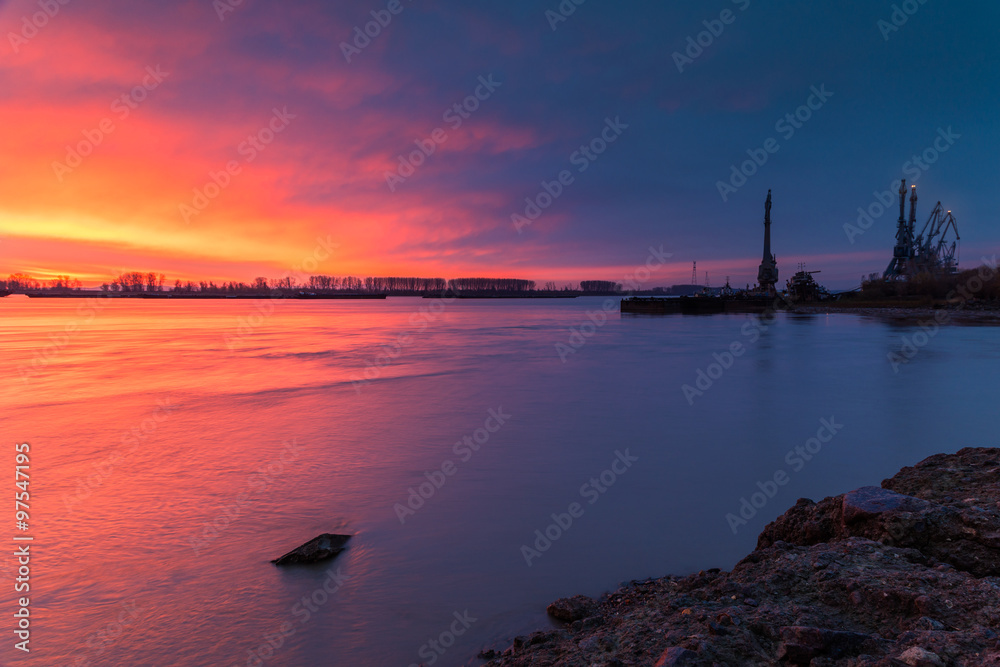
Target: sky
(230, 139)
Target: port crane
(934, 251)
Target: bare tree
(20, 282)
(491, 285)
(602, 286)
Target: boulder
(870, 501)
(572, 609)
(918, 657)
(972, 476)
(897, 575)
(319, 548)
(964, 535)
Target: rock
(942, 477)
(799, 645)
(538, 638)
(926, 623)
(877, 577)
(918, 657)
(319, 548)
(572, 609)
(870, 501)
(967, 538)
(677, 656)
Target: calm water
(152, 418)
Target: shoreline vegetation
(972, 289)
(907, 573)
(979, 286)
(135, 285)
(968, 297)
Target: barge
(700, 305)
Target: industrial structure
(934, 251)
(803, 287)
(764, 298)
(767, 274)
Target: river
(177, 447)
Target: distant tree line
(134, 282)
(390, 285)
(603, 286)
(22, 282)
(491, 285)
(333, 283)
(373, 284)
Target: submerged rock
(905, 574)
(319, 548)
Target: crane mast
(931, 252)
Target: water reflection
(147, 428)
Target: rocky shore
(903, 574)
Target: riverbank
(903, 574)
(967, 314)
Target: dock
(700, 305)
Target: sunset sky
(116, 113)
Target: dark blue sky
(656, 184)
(890, 97)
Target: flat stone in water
(319, 548)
